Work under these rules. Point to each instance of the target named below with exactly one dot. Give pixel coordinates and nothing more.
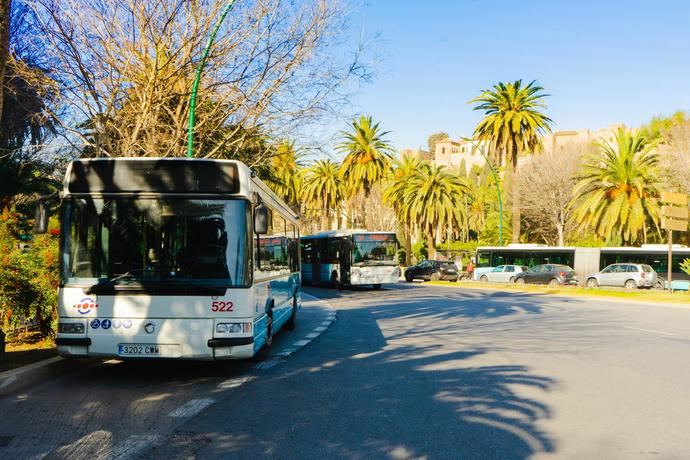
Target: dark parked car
(551, 274)
(432, 270)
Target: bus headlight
(71, 328)
(233, 328)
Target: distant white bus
(173, 258)
(350, 258)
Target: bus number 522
(221, 306)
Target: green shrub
(28, 277)
(685, 266)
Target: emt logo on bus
(86, 305)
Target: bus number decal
(219, 306)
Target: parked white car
(502, 273)
(629, 276)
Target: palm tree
(618, 190)
(513, 124)
(287, 172)
(434, 198)
(324, 189)
(394, 194)
(368, 156)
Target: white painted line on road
(320, 329)
(313, 335)
(130, 447)
(648, 330)
(191, 408)
(267, 364)
(234, 382)
(326, 323)
(285, 353)
(301, 343)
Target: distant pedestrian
(470, 270)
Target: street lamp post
(197, 79)
(498, 189)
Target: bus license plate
(134, 349)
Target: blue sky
(602, 62)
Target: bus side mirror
(261, 220)
(41, 217)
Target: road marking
(267, 364)
(326, 323)
(648, 330)
(320, 329)
(301, 343)
(234, 382)
(130, 447)
(285, 353)
(313, 335)
(191, 408)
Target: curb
(603, 298)
(26, 375)
(279, 357)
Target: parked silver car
(629, 276)
(502, 273)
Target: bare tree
(546, 184)
(126, 67)
(5, 15)
(675, 157)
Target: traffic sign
(672, 224)
(680, 199)
(675, 211)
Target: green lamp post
(197, 79)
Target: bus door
(317, 254)
(345, 259)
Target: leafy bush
(28, 276)
(419, 251)
(685, 266)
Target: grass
(641, 295)
(26, 348)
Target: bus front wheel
(292, 321)
(262, 354)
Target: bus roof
(346, 232)
(168, 176)
(526, 247)
(644, 249)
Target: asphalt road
(413, 371)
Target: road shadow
(357, 394)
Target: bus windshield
(116, 241)
(375, 249)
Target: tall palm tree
(368, 156)
(617, 194)
(513, 123)
(324, 189)
(287, 172)
(434, 198)
(394, 194)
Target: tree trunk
(408, 245)
(431, 244)
(324, 216)
(516, 197)
(561, 237)
(5, 8)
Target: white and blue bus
(173, 258)
(350, 258)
